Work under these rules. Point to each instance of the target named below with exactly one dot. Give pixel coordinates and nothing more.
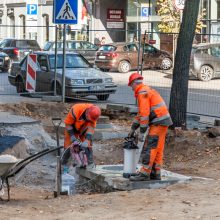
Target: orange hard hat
(93, 113)
(133, 77)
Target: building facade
(116, 20)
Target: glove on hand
(84, 145)
(131, 133)
(141, 137)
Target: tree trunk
(179, 89)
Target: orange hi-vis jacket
(77, 127)
(151, 109)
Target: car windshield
(107, 48)
(47, 46)
(72, 61)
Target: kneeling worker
(153, 115)
(80, 125)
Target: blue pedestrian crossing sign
(65, 12)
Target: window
(215, 51)
(72, 61)
(87, 45)
(48, 45)
(5, 43)
(74, 45)
(149, 49)
(132, 48)
(108, 48)
(42, 60)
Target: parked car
(124, 57)
(81, 78)
(17, 49)
(4, 62)
(85, 48)
(205, 61)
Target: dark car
(81, 78)
(17, 49)
(124, 57)
(205, 61)
(85, 48)
(4, 62)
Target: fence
(91, 83)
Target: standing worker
(80, 124)
(153, 115)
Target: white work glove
(141, 137)
(131, 133)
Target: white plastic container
(129, 161)
(68, 184)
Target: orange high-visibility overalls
(77, 127)
(152, 113)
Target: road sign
(179, 4)
(31, 72)
(65, 12)
(31, 15)
(145, 11)
(32, 9)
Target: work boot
(155, 174)
(140, 177)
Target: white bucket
(129, 161)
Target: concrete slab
(8, 119)
(110, 177)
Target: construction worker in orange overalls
(80, 124)
(153, 115)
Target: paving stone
(9, 119)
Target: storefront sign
(151, 41)
(115, 15)
(117, 25)
(179, 4)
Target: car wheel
(166, 63)
(206, 73)
(124, 66)
(20, 87)
(102, 97)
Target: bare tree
(179, 90)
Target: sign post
(65, 12)
(31, 72)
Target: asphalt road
(203, 97)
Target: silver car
(205, 61)
(81, 78)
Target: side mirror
(44, 68)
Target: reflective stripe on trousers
(153, 152)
